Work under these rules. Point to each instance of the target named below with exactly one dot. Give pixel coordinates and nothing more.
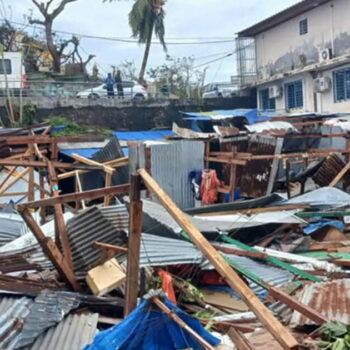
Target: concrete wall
(127, 115)
(279, 49)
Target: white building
(303, 58)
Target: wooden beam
(59, 219)
(87, 161)
(226, 160)
(257, 210)
(340, 175)
(134, 245)
(50, 249)
(115, 248)
(10, 183)
(241, 342)
(42, 196)
(238, 252)
(108, 184)
(31, 189)
(26, 140)
(296, 305)
(282, 335)
(117, 163)
(72, 197)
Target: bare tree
(49, 15)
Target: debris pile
(209, 239)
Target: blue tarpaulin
(147, 328)
(152, 135)
(314, 226)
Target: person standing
(110, 85)
(119, 82)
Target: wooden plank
(10, 173)
(59, 219)
(226, 160)
(42, 196)
(117, 163)
(134, 242)
(79, 187)
(31, 190)
(115, 248)
(275, 166)
(307, 311)
(87, 161)
(257, 210)
(108, 184)
(282, 335)
(340, 175)
(26, 140)
(241, 342)
(13, 181)
(51, 250)
(238, 252)
(72, 197)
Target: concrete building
(303, 58)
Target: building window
(294, 94)
(5, 66)
(303, 27)
(266, 103)
(342, 85)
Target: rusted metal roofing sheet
(331, 299)
(73, 333)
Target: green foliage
(335, 335)
(144, 18)
(180, 75)
(192, 293)
(74, 129)
(206, 315)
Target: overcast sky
(184, 19)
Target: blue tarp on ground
(152, 135)
(85, 152)
(316, 225)
(146, 328)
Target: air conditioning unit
(322, 84)
(325, 55)
(275, 91)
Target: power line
(216, 60)
(130, 41)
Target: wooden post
(59, 219)
(134, 242)
(340, 175)
(288, 178)
(31, 191)
(42, 196)
(281, 334)
(233, 175)
(50, 249)
(108, 183)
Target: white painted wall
(278, 51)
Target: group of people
(111, 81)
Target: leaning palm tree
(146, 17)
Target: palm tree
(146, 17)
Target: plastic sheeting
(147, 328)
(314, 226)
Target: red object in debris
(212, 278)
(167, 285)
(209, 187)
(24, 81)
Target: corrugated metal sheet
(12, 226)
(83, 230)
(174, 179)
(117, 215)
(73, 333)
(331, 299)
(271, 126)
(13, 311)
(160, 251)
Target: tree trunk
(52, 47)
(145, 58)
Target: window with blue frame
(342, 85)
(294, 94)
(303, 27)
(266, 103)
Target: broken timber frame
(51, 250)
(134, 244)
(281, 334)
